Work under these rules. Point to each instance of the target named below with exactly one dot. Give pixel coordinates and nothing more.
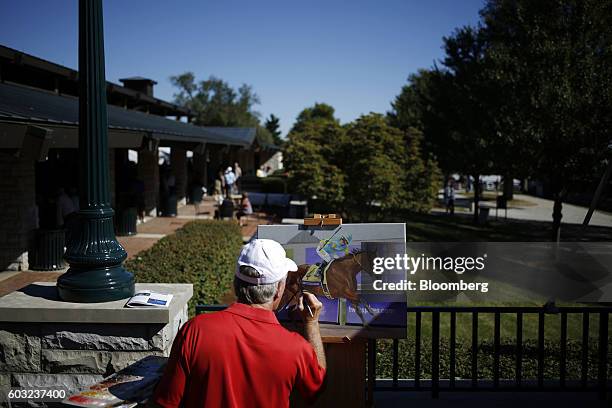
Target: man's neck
(266, 306)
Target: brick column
(218, 158)
(178, 163)
(18, 216)
(148, 172)
(199, 168)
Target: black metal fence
(447, 381)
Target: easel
(348, 382)
(323, 219)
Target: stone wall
(18, 215)
(75, 355)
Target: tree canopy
(215, 103)
(526, 92)
(272, 124)
(363, 168)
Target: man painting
(242, 356)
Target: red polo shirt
(239, 357)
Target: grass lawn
(460, 228)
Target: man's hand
(310, 307)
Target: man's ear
(280, 288)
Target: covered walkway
(154, 229)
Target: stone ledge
(70, 382)
(39, 302)
(90, 361)
(119, 337)
(19, 348)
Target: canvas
(335, 263)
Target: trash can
(168, 205)
(226, 210)
(483, 215)
(47, 252)
(125, 221)
(196, 195)
(298, 209)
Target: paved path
(526, 207)
(540, 209)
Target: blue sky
(354, 55)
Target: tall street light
(95, 257)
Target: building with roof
(39, 113)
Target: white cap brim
(290, 266)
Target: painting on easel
(336, 264)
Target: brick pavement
(148, 234)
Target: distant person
(449, 196)
(245, 208)
(220, 184)
(261, 172)
(64, 207)
(238, 174)
(197, 192)
(74, 196)
(66, 213)
(138, 189)
(230, 179)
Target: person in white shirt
(64, 207)
(230, 179)
(449, 196)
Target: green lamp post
(95, 257)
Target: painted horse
(337, 279)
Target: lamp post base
(95, 285)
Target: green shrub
(507, 364)
(274, 184)
(203, 253)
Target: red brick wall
(18, 211)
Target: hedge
(507, 364)
(203, 253)
(274, 184)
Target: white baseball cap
(268, 258)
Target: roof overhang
(22, 106)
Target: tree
(422, 176)
(318, 112)
(307, 158)
(215, 103)
(555, 58)
(372, 156)
(361, 169)
(423, 105)
(273, 126)
(452, 105)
